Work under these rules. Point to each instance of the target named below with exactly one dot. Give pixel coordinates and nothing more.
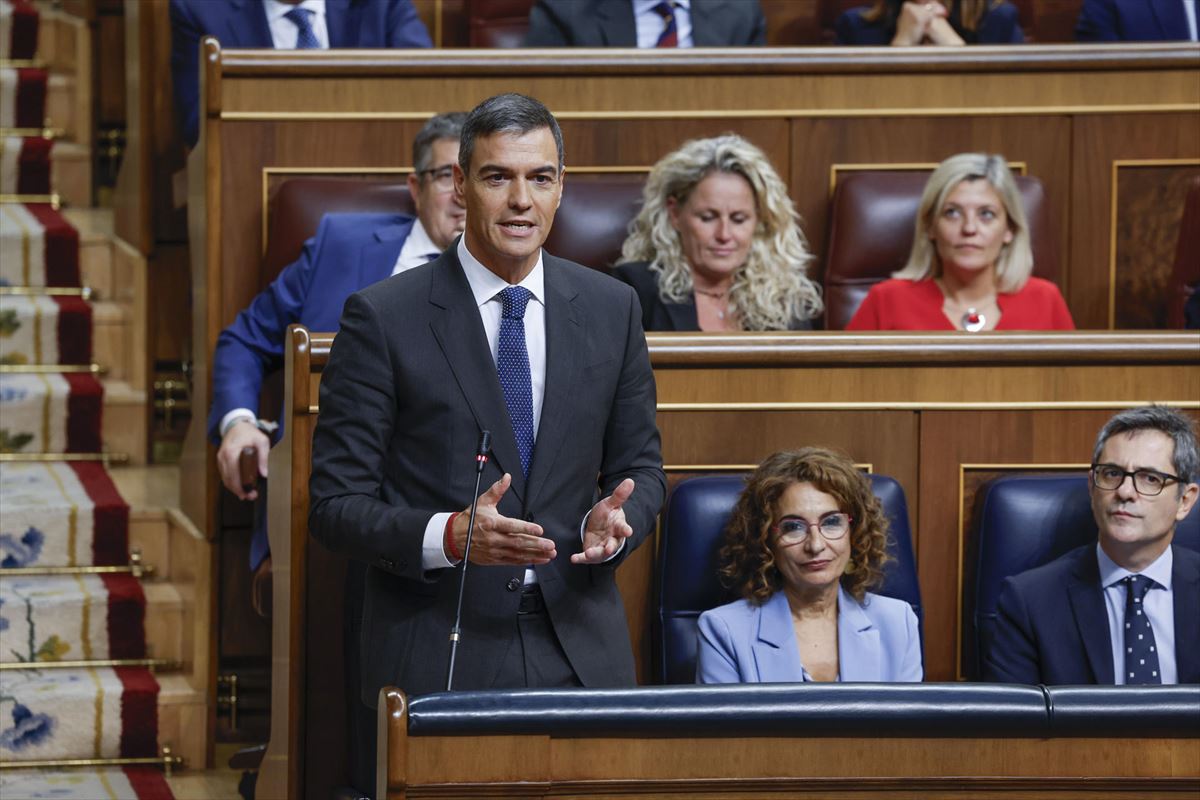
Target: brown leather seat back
(1185, 277)
(593, 220)
(298, 205)
(871, 230)
(498, 23)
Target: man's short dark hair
(441, 126)
(1164, 419)
(506, 113)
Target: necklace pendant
(973, 320)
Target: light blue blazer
(745, 643)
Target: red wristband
(448, 539)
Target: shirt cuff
(433, 554)
(583, 528)
(235, 416)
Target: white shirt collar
(485, 284)
(416, 249)
(277, 10)
(642, 6)
(1159, 570)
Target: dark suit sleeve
(758, 30)
(632, 448)
(547, 27)
(1011, 654)
(358, 416)
(404, 26)
(1097, 22)
(185, 69)
(637, 275)
(1001, 25)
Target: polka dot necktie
(512, 364)
(306, 40)
(670, 36)
(1141, 655)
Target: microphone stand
(481, 459)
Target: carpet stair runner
(62, 623)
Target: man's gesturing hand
(499, 539)
(606, 527)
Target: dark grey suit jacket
(409, 385)
(1052, 625)
(610, 23)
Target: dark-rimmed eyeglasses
(794, 530)
(1148, 482)
(441, 177)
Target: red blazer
(901, 305)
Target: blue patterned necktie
(1141, 654)
(306, 40)
(512, 364)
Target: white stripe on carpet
(28, 330)
(8, 97)
(66, 713)
(22, 247)
(46, 518)
(10, 159)
(33, 413)
(53, 618)
(89, 784)
(6, 11)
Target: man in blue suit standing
(283, 25)
(1121, 611)
(1136, 21)
(348, 253)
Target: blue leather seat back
(1026, 521)
(692, 532)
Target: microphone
(481, 459)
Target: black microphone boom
(481, 459)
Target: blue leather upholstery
(1026, 521)
(693, 524)
(814, 709)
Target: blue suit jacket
(243, 23)
(1052, 624)
(741, 642)
(1000, 25)
(349, 252)
(1131, 21)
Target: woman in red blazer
(971, 264)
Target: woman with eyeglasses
(807, 538)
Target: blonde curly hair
(747, 559)
(772, 288)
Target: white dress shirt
(417, 249)
(1189, 11)
(650, 25)
(1159, 606)
(284, 32)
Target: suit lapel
(860, 654)
(683, 316)
(379, 257)
(563, 353)
(338, 23)
(1185, 586)
(246, 26)
(1091, 617)
(706, 23)
(776, 654)
(459, 332)
(617, 26)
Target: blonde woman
(717, 245)
(971, 263)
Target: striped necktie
(669, 37)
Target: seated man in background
(1136, 21)
(283, 25)
(1123, 610)
(349, 252)
(646, 23)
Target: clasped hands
(503, 540)
(924, 23)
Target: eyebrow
(549, 169)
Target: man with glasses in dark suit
(1123, 610)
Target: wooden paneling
(1098, 143)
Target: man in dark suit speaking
(550, 358)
